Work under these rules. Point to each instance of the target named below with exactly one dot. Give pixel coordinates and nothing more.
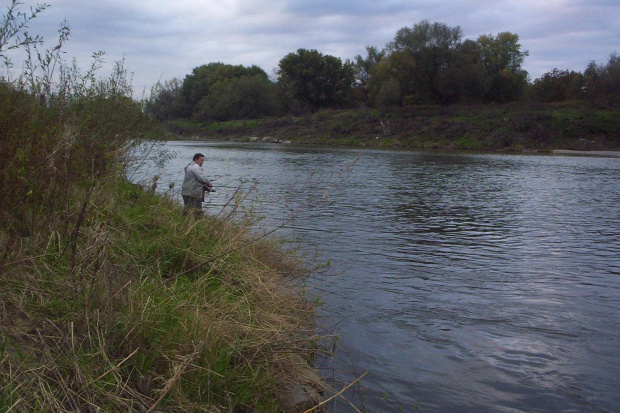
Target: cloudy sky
(162, 39)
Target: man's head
(199, 158)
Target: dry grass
(111, 300)
(108, 323)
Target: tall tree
(364, 67)
(502, 51)
(421, 57)
(603, 82)
(165, 101)
(463, 80)
(502, 58)
(198, 84)
(383, 86)
(558, 85)
(315, 80)
(245, 97)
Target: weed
(111, 299)
(488, 127)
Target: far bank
(513, 127)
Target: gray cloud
(163, 39)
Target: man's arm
(200, 177)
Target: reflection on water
(465, 282)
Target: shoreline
(612, 154)
(269, 140)
(509, 128)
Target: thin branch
(335, 395)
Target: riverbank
(111, 299)
(145, 308)
(514, 127)
(613, 154)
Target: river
(459, 282)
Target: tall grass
(149, 304)
(110, 298)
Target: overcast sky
(164, 39)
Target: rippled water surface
(460, 282)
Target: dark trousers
(193, 204)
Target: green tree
(611, 80)
(502, 58)
(558, 85)
(198, 84)
(245, 97)
(467, 80)
(421, 58)
(313, 80)
(603, 82)
(165, 102)
(462, 80)
(363, 67)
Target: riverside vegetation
(509, 127)
(428, 88)
(111, 299)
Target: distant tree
(558, 85)
(502, 58)
(165, 101)
(198, 84)
(463, 80)
(591, 76)
(383, 87)
(315, 81)
(364, 66)
(469, 78)
(602, 82)
(501, 51)
(421, 57)
(611, 80)
(246, 97)
(388, 93)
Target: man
(194, 185)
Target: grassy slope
(510, 127)
(150, 303)
(110, 298)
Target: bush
(111, 299)
(247, 97)
(49, 146)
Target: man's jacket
(194, 180)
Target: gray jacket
(194, 180)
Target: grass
(156, 309)
(111, 299)
(510, 127)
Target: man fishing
(195, 185)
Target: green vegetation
(510, 127)
(111, 299)
(311, 80)
(131, 301)
(428, 88)
(437, 90)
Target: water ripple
(464, 282)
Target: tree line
(428, 63)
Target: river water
(459, 282)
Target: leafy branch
(13, 25)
